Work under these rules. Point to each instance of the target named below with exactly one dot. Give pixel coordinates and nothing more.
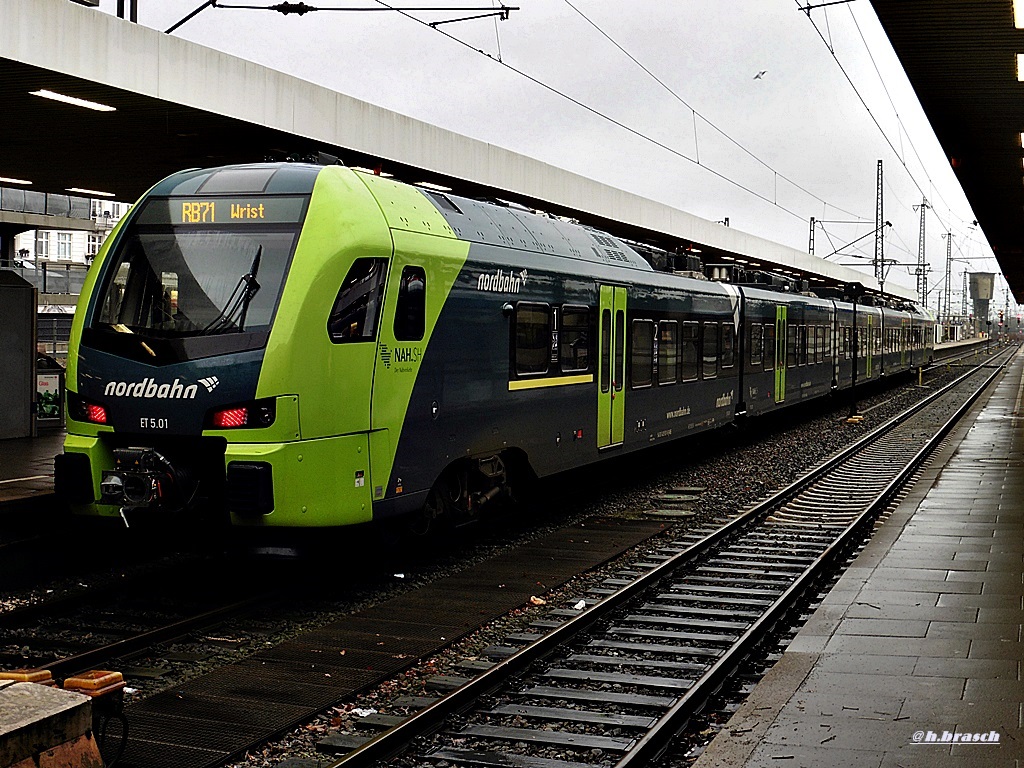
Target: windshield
(187, 282)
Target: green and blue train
(291, 345)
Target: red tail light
(231, 417)
(97, 414)
(255, 414)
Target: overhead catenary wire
(301, 9)
(897, 153)
(963, 230)
(771, 197)
(618, 123)
(697, 114)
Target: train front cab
(308, 460)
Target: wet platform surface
(26, 467)
(918, 646)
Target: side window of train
(690, 357)
(411, 307)
(668, 352)
(792, 338)
(356, 309)
(709, 351)
(641, 368)
(819, 344)
(756, 344)
(574, 339)
(532, 349)
(769, 346)
(728, 345)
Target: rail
(721, 566)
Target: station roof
(173, 113)
(961, 58)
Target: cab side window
(356, 311)
(411, 307)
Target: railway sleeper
(701, 612)
(626, 661)
(553, 738)
(560, 693)
(573, 715)
(618, 678)
(677, 651)
(499, 759)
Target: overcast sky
(773, 150)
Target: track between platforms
(613, 685)
(208, 719)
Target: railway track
(717, 603)
(96, 625)
(620, 676)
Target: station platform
(914, 659)
(26, 468)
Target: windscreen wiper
(251, 287)
(238, 301)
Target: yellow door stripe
(557, 381)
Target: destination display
(204, 211)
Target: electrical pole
(922, 262)
(963, 300)
(810, 241)
(878, 261)
(949, 269)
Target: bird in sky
(761, 74)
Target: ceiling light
(5, 180)
(81, 191)
(72, 100)
(435, 187)
(1018, 14)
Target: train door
(781, 331)
(611, 368)
(870, 348)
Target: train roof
(507, 226)
(251, 179)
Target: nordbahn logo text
(148, 388)
(501, 281)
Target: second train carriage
(312, 346)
